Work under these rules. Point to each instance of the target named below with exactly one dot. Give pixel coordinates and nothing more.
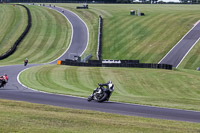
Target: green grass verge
(164, 88)
(34, 118)
(47, 39)
(192, 60)
(13, 23)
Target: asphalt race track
(175, 56)
(80, 34)
(15, 91)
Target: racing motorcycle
(101, 94)
(2, 82)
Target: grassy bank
(147, 38)
(34, 118)
(164, 88)
(13, 23)
(47, 39)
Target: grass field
(146, 38)
(34, 118)
(164, 88)
(47, 39)
(13, 23)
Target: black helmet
(109, 82)
(5, 74)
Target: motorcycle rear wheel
(103, 98)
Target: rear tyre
(103, 98)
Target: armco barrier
(97, 63)
(121, 61)
(99, 43)
(14, 47)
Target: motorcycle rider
(4, 80)
(109, 86)
(25, 61)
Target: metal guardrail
(124, 63)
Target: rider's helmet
(109, 82)
(5, 74)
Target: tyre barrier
(99, 43)
(122, 63)
(14, 47)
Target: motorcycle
(2, 82)
(101, 94)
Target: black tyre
(90, 98)
(1, 84)
(103, 98)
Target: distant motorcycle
(2, 82)
(101, 94)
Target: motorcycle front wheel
(89, 98)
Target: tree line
(103, 1)
(156, 1)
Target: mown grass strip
(164, 88)
(147, 38)
(13, 23)
(29, 117)
(48, 38)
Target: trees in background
(103, 1)
(140, 1)
(190, 1)
(156, 1)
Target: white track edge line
(58, 57)
(110, 101)
(179, 41)
(86, 98)
(70, 39)
(72, 32)
(187, 52)
(39, 90)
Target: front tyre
(90, 98)
(1, 83)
